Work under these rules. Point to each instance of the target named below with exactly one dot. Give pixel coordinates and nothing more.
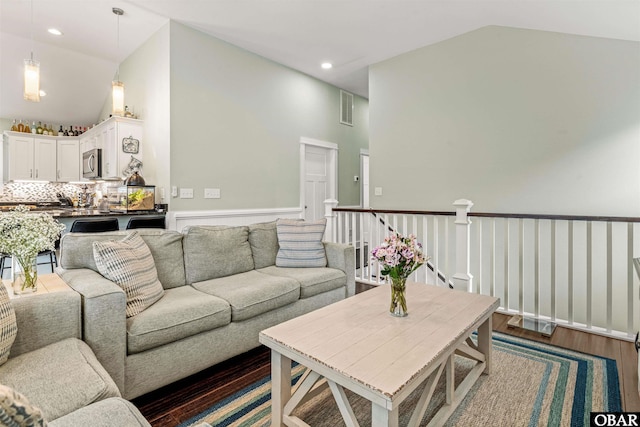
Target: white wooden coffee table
(356, 344)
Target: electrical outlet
(377, 191)
(356, 178)
(174, 191)
(186, 193)
(211, 193)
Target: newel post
(331, 230)
(463, 279)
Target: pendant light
(117, 87)
(31, 72)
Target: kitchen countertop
(85, 212)
(68, 212)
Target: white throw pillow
(301, 243)
(129, 263)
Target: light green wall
(236, 123)
(145, 74)
(514, 120)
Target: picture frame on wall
(130, 145)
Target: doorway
(318, 176)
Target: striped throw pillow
(16, 411)
(129, 263)
(300, 243)
(8, 326)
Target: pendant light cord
(32, 31)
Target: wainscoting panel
(177, 220)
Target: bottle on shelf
(66, 132)
(39, 128)
(60, 131)
(14, 126)
(33, 127)
(75, 131)
(50, 130)
(20, 127)
(27, 129)
(45, 131)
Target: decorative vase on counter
(398, 306)
(25, 280)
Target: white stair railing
(576, 271)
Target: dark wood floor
(184, 399)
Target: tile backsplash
(30, 192)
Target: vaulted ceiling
(77, 67)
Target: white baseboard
(177, 220)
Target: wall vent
(346, 108)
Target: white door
(316, 182)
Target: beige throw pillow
(8, 326)
(129, 263)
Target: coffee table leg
(484, 343)
(382, 417)
(280, 386)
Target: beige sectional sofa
(221, 288)
(55, 372)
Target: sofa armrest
(343, 257)
(104, 320)
(45, 319)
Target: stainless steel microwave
(92, 164)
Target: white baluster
(463, 279)
(330, 233)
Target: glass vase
(25, 279)
(398, 306)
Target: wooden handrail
(498, 215)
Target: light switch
(378, 191)
(211, 193)
(186, 193)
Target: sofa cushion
(216, 251)
(263, 239)
(74, 377)
(180, 313)
(17, 411)
(166, 249)
(8, 326)
(76, 251)
(114, 411)
(252, 293)
(313, 281)
(129, 263)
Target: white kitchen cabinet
(18, 157)
(36, 158)
(44, 159)
(30, 158)
(109, 136)
(68, 152)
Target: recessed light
(43, 93)
(55, 31)
(326, 65)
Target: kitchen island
(66, 215)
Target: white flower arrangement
(23, 234)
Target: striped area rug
(531, 384)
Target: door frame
(333, 168)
